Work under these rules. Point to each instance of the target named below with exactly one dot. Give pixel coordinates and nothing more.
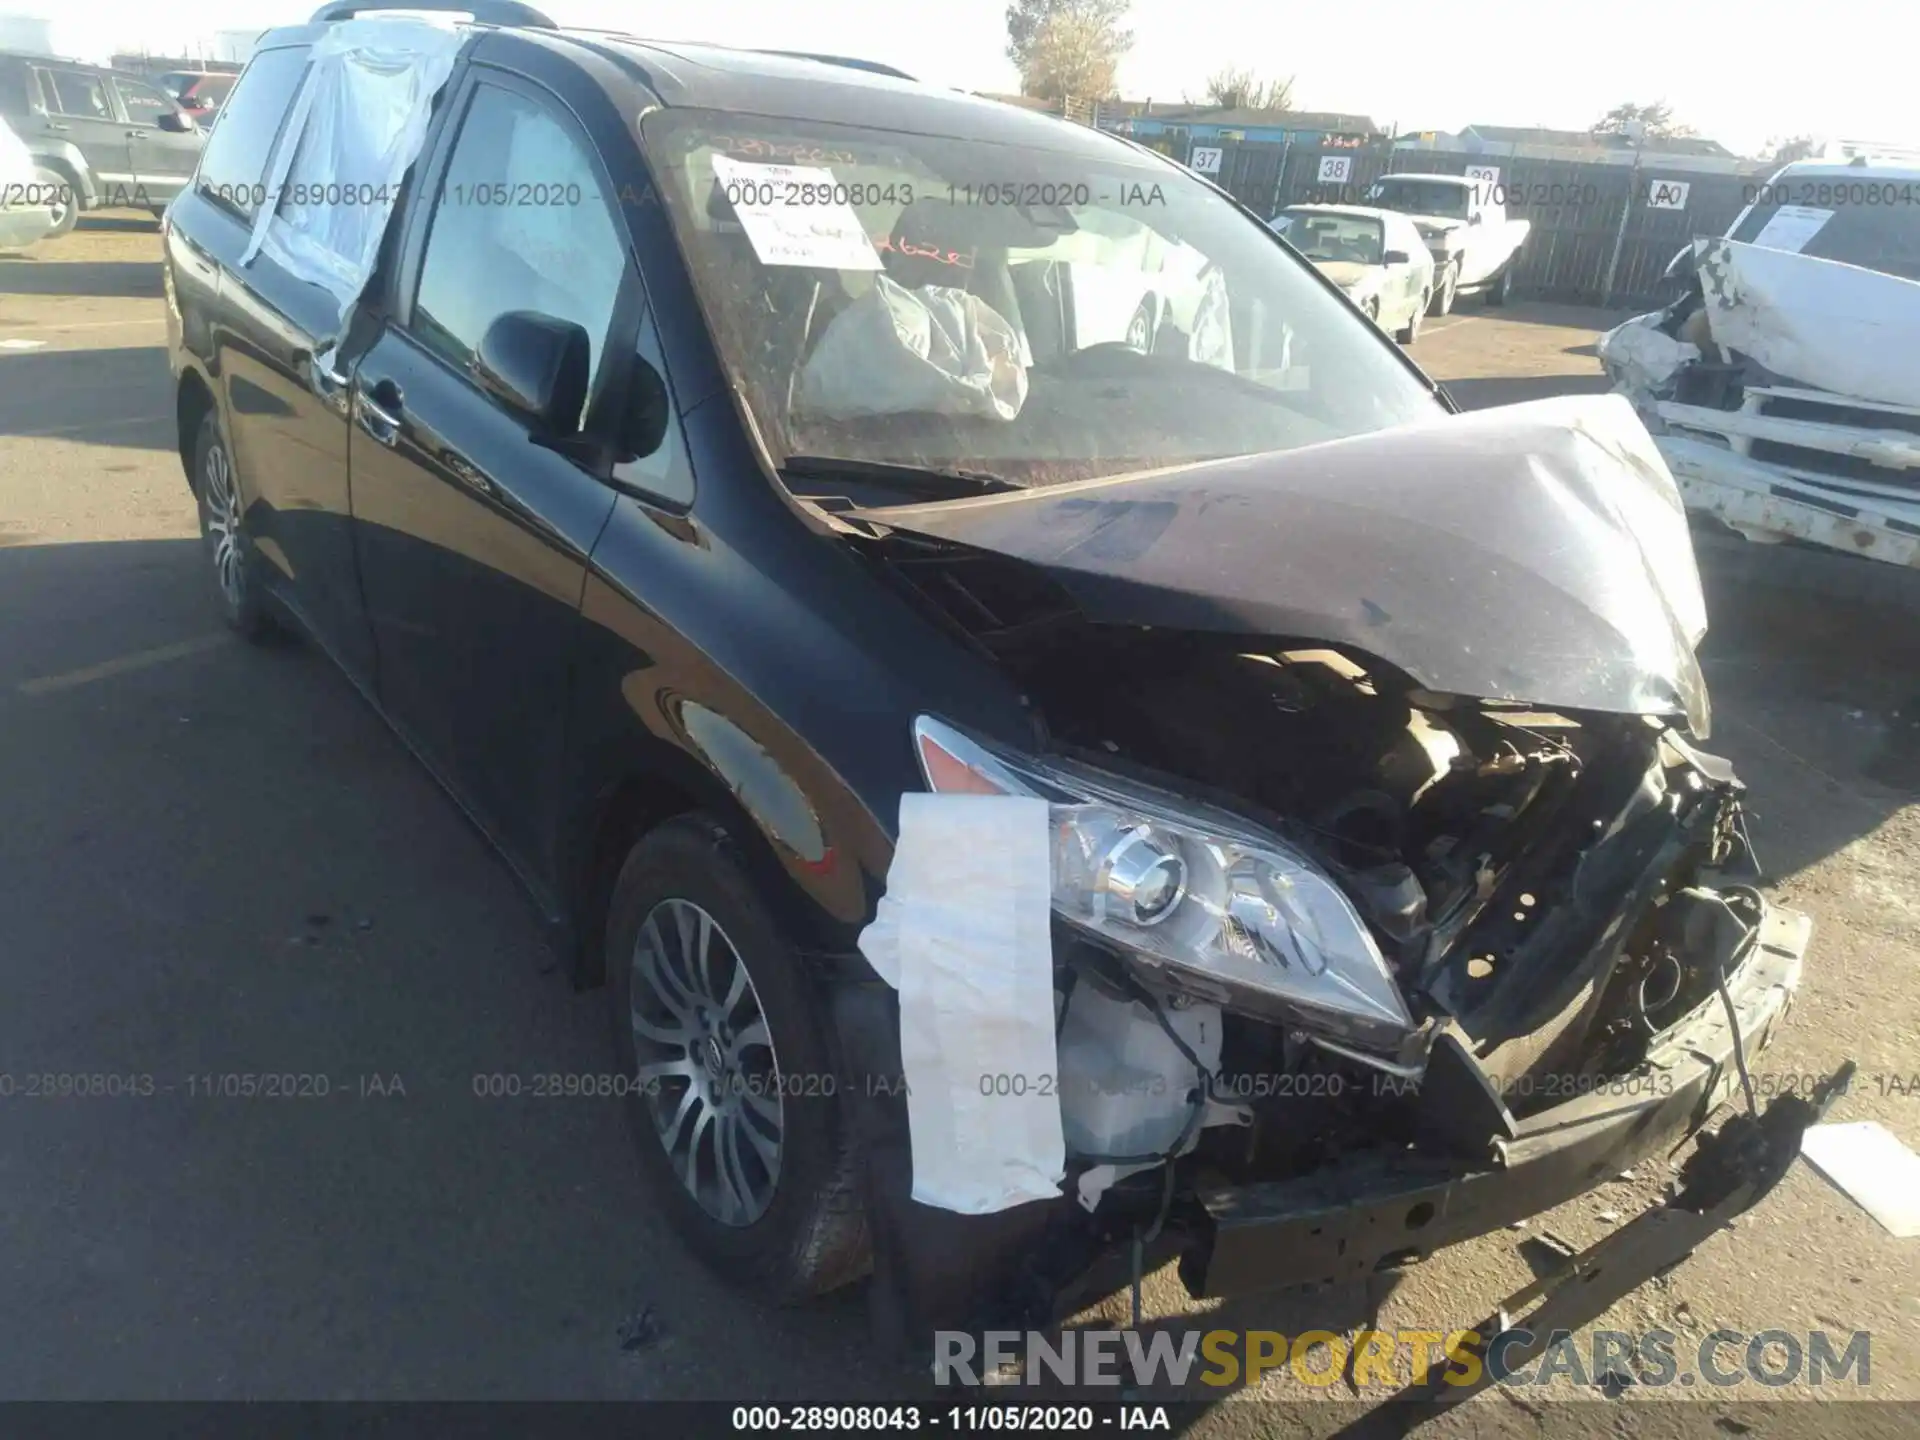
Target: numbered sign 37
(1206, 159)
(1335, 169)
(1668, 194)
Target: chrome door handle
(379, 422)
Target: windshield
(1420, 197)
(1320, 236)
(926, 301)
(1870, 234)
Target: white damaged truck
(1783, 386)
(1463, 219)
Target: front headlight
(1217, 907)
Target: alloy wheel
(223, 523)
(706, 1058)
(1139, 332)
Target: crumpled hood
(1820, 322)
(1535, 553)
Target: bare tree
(1073, 58)
(1042, 35)
(1800, 147)
(1236, 89)
(1655, 121)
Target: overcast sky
(1740, 74)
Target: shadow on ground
(32, 274)
(1481, 393)
(119, 397)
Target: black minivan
(692, 452)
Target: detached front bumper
(1378, 1212)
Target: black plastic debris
(639, 1330)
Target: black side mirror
(644, 425)
(1681, 267)
(538, 365)
(176, 122)
(1397, 257)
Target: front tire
(229, 552)
(734, 1113)
(1442, 302)
(1410, 332)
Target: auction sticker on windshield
(1791, 227)
(795, 215)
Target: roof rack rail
(849, 61)
(487, 12)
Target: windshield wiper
(922, 479)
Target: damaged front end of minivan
(1392, 899)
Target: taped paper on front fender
(964, 934)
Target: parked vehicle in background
(755, 484)
(1465, 227)
(26, 214)
(1783, 386)
(199, 92)
(1376, 256)
(99, 138)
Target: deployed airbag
(936, 350)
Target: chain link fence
(1601, 234)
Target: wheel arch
(642, 789)
(66, 161)
(193, 401)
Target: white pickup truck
(1466, 228)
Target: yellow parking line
(106, 669)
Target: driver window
(145, 105)
(520, 224)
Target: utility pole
(1636, 132)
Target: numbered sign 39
(1335, 169)
(1668, 194)
(1206, 159)
(1485, 176)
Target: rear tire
(67, 212)
(229, 551)
(736, 1120)
(1140, 329)
(1501, 290)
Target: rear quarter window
(234, 166)
(14, 92)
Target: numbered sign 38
(1668, 194)
(1335, 169)
(1206, 159)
